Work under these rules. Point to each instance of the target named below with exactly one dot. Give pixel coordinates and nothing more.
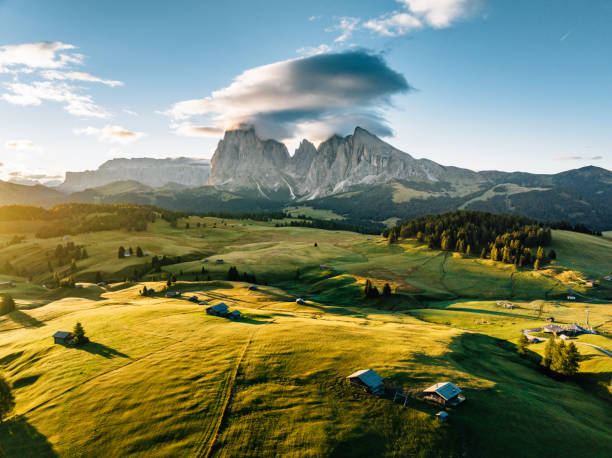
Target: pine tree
(98, 277)
(571, 359)
(521, 346)
(131, 251)
(139, 252)
(549, 351)
(121, 252)
(7, 400)
(386, 291)
(558, 357)
(368, 287)
(79, 335)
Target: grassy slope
(156, 379)
(161, 377)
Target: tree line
(505, 238)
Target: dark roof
(367, 377)
(62, 334)
(447, 390)
(220, 308)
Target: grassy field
(163, 378)
(312, 212)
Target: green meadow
(160, 377)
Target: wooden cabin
(368, 380)
(445, 394)
(62, 338)
(220, 309)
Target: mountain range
(359, 177)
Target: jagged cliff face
(242, 160)
(152, 172)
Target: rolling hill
(161, 377)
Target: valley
(162, 377)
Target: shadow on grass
(20, 438)
(25, 320)
(96, 348)
(252, 321)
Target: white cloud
(21, 145)
(51, 61)
(314, 96)
(29, 56)
(111, 134)
(313, 51)
(346, 26)
(394, 25)
(78, 76)
(438, 13)
(188, 129)
(417, 14)
(130, 112)
(34, 93)
(580, 158)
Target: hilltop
(162, 377)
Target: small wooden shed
(234, 315)
(62, 337)
(444, 393)
(220, 309)
(367, 379)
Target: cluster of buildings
(220, 309)
(444, 394)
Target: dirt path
(573, 291)
(603, 350)
(205, 448)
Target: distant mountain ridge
(359, 177)
(151, 172)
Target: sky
(480, 84)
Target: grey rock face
(242, 161)
(152, 172)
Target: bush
(7, 304)
(7, 400)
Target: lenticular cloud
(313, 96)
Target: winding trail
(603, 350)
(569, 288)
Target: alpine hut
(367, 379)
(444, 393)
(62, 337)
(220, 309)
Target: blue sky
(521, 85)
